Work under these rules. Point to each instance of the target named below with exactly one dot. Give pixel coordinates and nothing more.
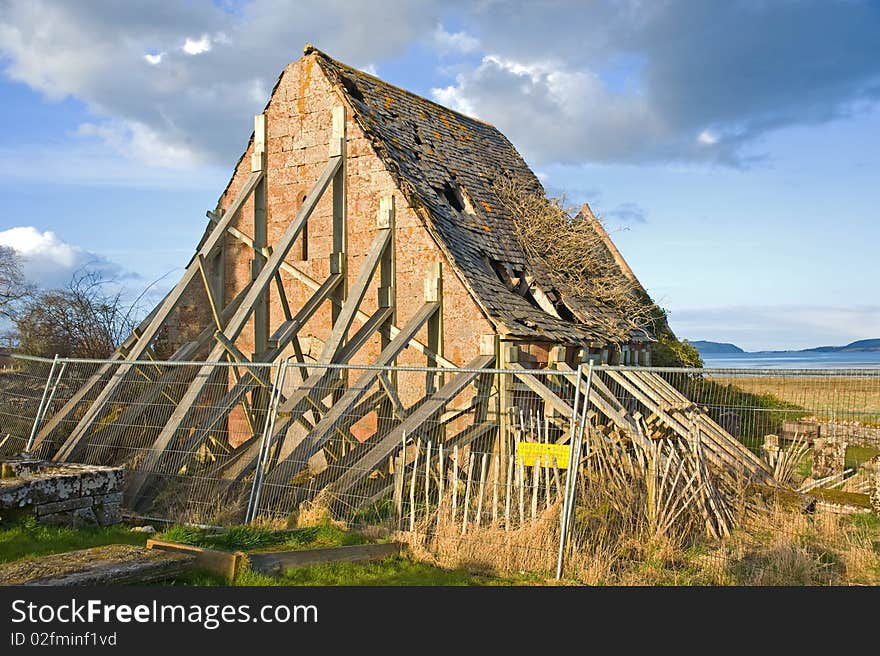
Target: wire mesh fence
(683, 473)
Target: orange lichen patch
(304, 82)
(429, 151)
(437, 135)
(487, 228)
(388, 101)
(445, 121)
(486, 205)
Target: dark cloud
(569, 81)
(647, 81)
(211, 69)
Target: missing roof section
(456, 197)
(522, 284)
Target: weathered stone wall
(852, 432)
(67, 494)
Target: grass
(396, 571)
(28, 539)
(856, 455)
(844, 397)
(254, 538)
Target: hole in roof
(351, 88)
(456, 197)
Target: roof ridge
(309, 49)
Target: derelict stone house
(435, 167)
(359, 227)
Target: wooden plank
(282, 338)
(224, 563)
(713, 429)
(539, 388)
(390, 331)
(465, 437)
(355, 296)
(242, 464)
(275, 563)
(683, 430)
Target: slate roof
(444, 163)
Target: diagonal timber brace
(235, 324)
(139, 347)
(381, 450)
(70, 451)
(338, 417)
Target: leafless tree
(86, 319)
(13, 286)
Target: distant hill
(860, 345)
(713, 348)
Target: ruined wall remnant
(66, 494)
(829, 456)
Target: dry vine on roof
(585, 276)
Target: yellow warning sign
(533, 453)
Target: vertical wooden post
(428, 478)
(261, 236)
(482, 488)
(434, 294)
(522, 492)
(399, 468)
(508, 493)
(467, 493)
(536, 478)
(454, 482)
(339, 252)
(385, 219)
(506, 353)
(412, 487)
(495, 489)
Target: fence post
(578, 424)
(266, 441)
(44, 402)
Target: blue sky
(733, 149)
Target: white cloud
(453, 42)
(154, 59)
(553, 113)
(48, 260)
(216, 71)
(138, 142)
(197, 46)
(707, 138)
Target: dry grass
(631, 530)
(851, 397)
(571, 253)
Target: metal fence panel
(430, 456)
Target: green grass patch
(759, 413)
(253, 538)
(395, 571)
(26, 538)
(839, 496)
(856, 455)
